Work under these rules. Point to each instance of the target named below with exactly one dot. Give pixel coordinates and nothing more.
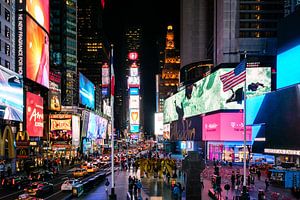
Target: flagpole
(245, 136)
(112, 195)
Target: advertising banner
(97, 127)
(60, 130)
(34, 115)
(159, 123)
(133, 81)
(86, 92)
(186, 129)
(134, 128)
(134, 101)
(105, 75)
(166, 134)
(207, 94)
(39, 10)
(134, 71)
(134, 116)
(85, 122)
(134, 91)
(37, 53)
(11, 95)
(225, 127)
(75, 130)
(54, 94)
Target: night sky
(153, 16)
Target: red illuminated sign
(133, 56)
(225, 127)
(34, 115)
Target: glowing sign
(134, 71)
(134, 116)
(133, 56)
(133, 81)
(134, 101)
(159, 123)
(134, 91)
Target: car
(92, 168)
(80, 173)
(15, 182)
(42, 175)
(68, 184)
(26, 196)
(39, 188)
(105, 158)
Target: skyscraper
(7, 37)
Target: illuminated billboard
(39, 10)
(225, 127)
(61, 126)
(75, 130)
(133, 56)
(54, 94)
(134, 101)
(166, 134)
(34, 115)
(134, 116)
(206, 95)
(11, 95)
(134, 71)
(134, 91)
(37, 53)
(105, 75)
(288, 70)
(97, 127)
(134, 128)
(159, 123)
(133, 81)
(86, 92)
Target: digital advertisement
(133, 81)
(166, 134)
(159, 123)
(134, 71)
(225, 127)
(134, 101)
(197, 98)
(102, 127)
(105, 75)
(86, 92)
(34, 115)
(39, 10)
(134, 91)
(60, 129)
(54, 94)
(134, 116)
(11, 95)
(75, 130)
(134, 128)
(37, 53)
(97, 127)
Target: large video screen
(279, 112)
(207, 94)
(97, 127)
(11, 95)
(225, 127)
(86, 92)
(61, 129)
(288, 67)
(39, 10)
(37, 53)
(34, 115)
(102, 128)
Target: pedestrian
(258, 174)
(139, 187)
(176, 192)
(106, 185)
(201, 181)
(233, 179)
(267, 184)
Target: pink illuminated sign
(225, 127)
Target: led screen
(186, 129)
(159, 123)
(166, 134)
(11, 95)
(97, 127)
(75, 130)
(134, 101)
(102, 127)
(225, 127)
(134, 71)
(133, 81)
(54, 94)
(288, 67)
(134, 116)
(39, 10)
(34, 115)
(134, 91)
(61, 129)
(104, 91)
(134, 128)
(37, 53)
(86, 92)
(207, 94)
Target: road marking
(53, 194)
(11, 194)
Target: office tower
(63, 47)
(290, 6)
(7, 36)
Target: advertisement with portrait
(186, 129)
(11, 95)
(34, 115)
(60, 130)
(85, 122)
(166, 134)
(54, 94)
(37, 53)
(134, 116)
(75, 130)
(134, 101)
(102, 128)
(159, 123)
(206, 95)
(105, 75)
(134, 71)
(39, 10)
(86, 92)
(225, 127)
(133, 81)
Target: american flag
(112, 74)
(234, 77)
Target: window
(7, 32)
(7, 15)
(7, 49)
(7, 64)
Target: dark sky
(153, 16)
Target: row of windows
(6, 63)
(260, 7)
(6, 13)
(257, 34)
(262, 16)
(258, 25)
(6, 48)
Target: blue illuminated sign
(105, 91)
(134, 91)
(86, 92)
(134, 128)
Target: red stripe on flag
(112, 86)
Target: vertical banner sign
(75, 130)
(54, 94)
(34, 115)
(20, 43)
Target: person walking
(106, 185)
(232, 179)
(267, 184)
(258, 174)
(201, 181)
(139, 187)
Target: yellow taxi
(80, 173)
(92, 168)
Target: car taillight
(2, 183)
(13, 181)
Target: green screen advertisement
(206, 95)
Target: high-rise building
(169, 78)
(7, 36)
(93, 47)
(63, 47)
(290, 6)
